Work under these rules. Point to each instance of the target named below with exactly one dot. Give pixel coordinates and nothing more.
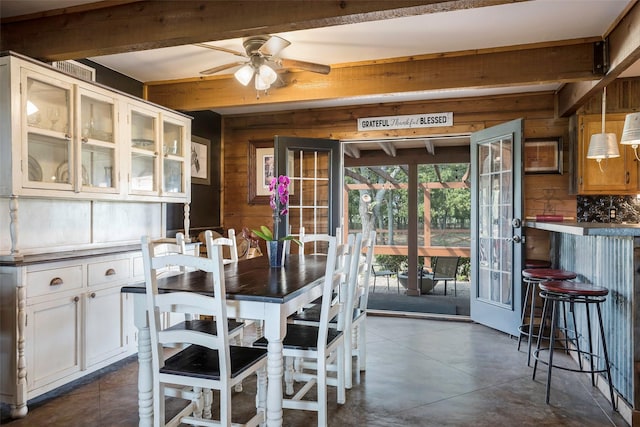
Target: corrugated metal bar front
(606, 261)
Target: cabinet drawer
(54, 280)
(108, 271)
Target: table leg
(274, 331)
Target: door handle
(514, 239)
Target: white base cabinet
(61, 320)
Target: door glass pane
(309, 193)
(97, 166)
(172, 139)
(142, 172)
(47, 106)
(96, 118)
(48, 159)
(143, 131)
(172, 176)
(495, 194)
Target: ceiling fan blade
(222, 67)
(273, 46)
(221, 49)
(304, 65)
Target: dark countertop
(67, 255)
(587, 228)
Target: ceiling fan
(261, 60)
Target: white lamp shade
(244, 74)
(603, 146)
(267, 74)
(261, 84)
(631, 130)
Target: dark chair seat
(202, 362)
(204, 325)
(573, 288)
(312, 314)
(302, 337)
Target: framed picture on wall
(200, 165)
(262, 170)
(543, 155)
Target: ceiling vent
(76, 69)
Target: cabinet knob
(76, 299)
(110, 272)
(627, 178)
(92, 295)
(56, 281)
(84, 140)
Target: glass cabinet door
(144, 153)
(47, 121)
(173, 162)
(98, 148)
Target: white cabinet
(83, 166)
(67, 139)
(53, 342)
(157, 153)
(61, 321)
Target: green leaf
(264, 233)
(293, 239)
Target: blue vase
(275, 252)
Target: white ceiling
(526, 22)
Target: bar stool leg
(552, 343)
(537, 350)
(524, 314)
(531, 320)
(606, 356)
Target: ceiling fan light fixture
(244, 74)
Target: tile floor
(419, 373)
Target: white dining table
(254, 291)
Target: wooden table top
(249, 280)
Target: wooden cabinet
(69, 319)
(619, 175)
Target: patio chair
(444, 268)
(382, 273)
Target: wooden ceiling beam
(124, 26)
(518, 65)
(624, 50)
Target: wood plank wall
(470, 114)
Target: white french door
(496, 221)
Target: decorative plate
(62, 174)
(35, 171)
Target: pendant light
(631, 132)
(603, 145)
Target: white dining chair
(361, 299)
(321, 345)
(206, 361)
(349, 292)
(230, 242)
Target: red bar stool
(561, 291)
(533, 276)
